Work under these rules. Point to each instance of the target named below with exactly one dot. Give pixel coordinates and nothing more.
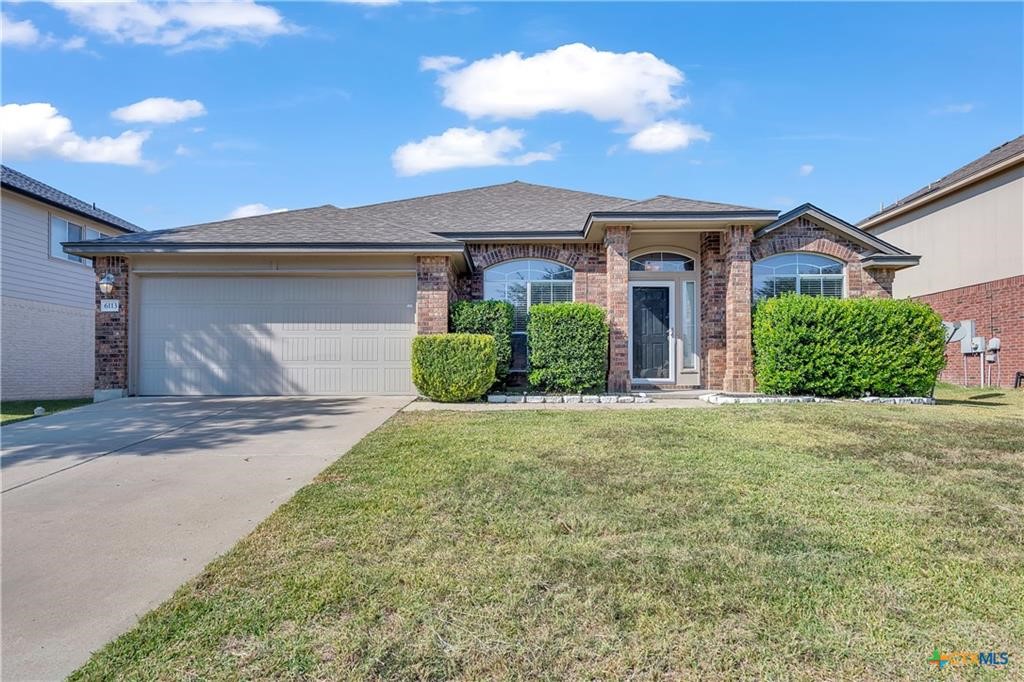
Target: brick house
(968, 228)
(325, 300)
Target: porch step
(671, 393)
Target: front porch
(678, 301)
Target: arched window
(804, 273)
(526, 282)
(661, 261)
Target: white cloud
(159, 110)
(806, 169)
(374, 3)
(182, 150)
(250, 210)
(25, 34)
(19, 33)
(73, 43)
(466, 148)
(633, 88)
(38, 129)
(440, 63)
(666, 136)
(179, 25)
(960, 108)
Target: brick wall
(616, 242)
(739, 355)
(804, 234)
(112, 328)
(997, 309)
(435, 289)
(588, 261)
(48, 350)
(712, 310)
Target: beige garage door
(275, 335)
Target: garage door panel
(275, 336)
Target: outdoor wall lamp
(106, 284)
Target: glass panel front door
(651, 327)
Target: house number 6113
(110, 305)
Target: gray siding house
(47, 319)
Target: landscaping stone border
(568, 398)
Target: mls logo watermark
(956, 659)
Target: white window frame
(529, 290)
(658, 252)
(800, 276)
(88, 233)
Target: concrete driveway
(106, 509)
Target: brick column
(739, 351)
(712, 311)
(616, 242)
(434, 289)
(112, 330)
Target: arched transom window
(527, 282)
(803, 273)
(661, 261)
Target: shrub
(568, 346)
(847, 347)
(451, 368)
(487, 317)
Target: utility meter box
(966, 337)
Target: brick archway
(586, 260)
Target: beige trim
(932, 196)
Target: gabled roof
(887, 254)
(509, 207)
(318, 227)
(1003, 153)
(663, 203)
(28, 186)
(438, 221)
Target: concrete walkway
(108, 508)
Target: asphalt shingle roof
(24, 184)
(997, 155)
(663, 203)
(319, 225)
(429, 220)
(510, 207)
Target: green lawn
(815, 542)
(16, 410)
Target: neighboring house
(47, 316)
(326, 300)
(968, 229)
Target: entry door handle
(671, 334)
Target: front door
(651, 337)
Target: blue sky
(299, 104)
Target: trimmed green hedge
(568, 347)
(847, 347)
(452, 368)
(487, 317)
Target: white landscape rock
(534, 398)
(907, 400)
(572, 398)
(552, 398)
(591, 399)
(608, 399)
(497, 398)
